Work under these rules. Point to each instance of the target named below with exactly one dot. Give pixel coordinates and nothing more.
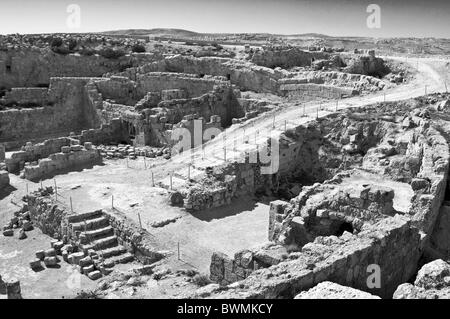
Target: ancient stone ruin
(152, 168)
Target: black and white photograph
(247, 152)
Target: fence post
(178, 249)
(140, 222)
(145, 163)
(273, 123)
(71, 206)
(112, 201)
(171, 176)
(153, 180)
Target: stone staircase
(94, 233)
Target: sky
(398, 18)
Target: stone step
(120, 259)
(84, 216)
(100, 244)
(91, 224)
(111, 252)
(99, 233)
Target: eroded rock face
(331, 290)
(432, 282)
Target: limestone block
(50, 261)
(35, 264)
(94, 275)
(75, 258)
(40, 255)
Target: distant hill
(181, 33)
(161, 32)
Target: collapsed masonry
(334, 229)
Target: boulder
(8, 232)
(432, 274)
(22, 234)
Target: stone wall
(70, 157)
(285, 57)
(113, 132)
(194, 86)
(46, 214)
(311, 91)
(31, 153)
(70, 111)
(136, 239)
(246, 75)
(26, 97)
(392, 244)
(34, 67)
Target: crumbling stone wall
(69, 157)
(66, 114)
(311, 91)
(194, 86)
(286, 57)
(26, 97)
(113, 132)
(246, 75)
(31, 67)
(392, 244)
(31, 153)
(46, 214)
(136, 239)
(366, 64)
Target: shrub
(110, 53)
(56, 42)
(138, 48)
(201, 280)
(61, 50)
(86, 51)
(72, 44)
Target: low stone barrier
(70, 157)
